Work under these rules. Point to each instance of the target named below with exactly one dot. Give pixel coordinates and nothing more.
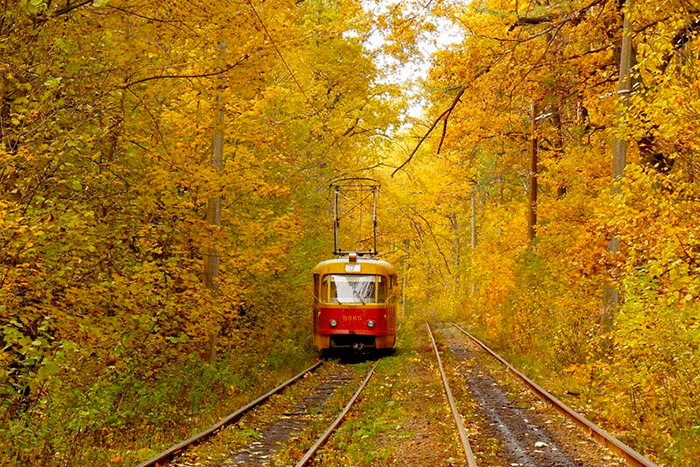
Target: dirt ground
(427, 444)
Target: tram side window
(317, 292)
(324, 289)
(391, 283)
(381, 289)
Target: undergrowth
(123, 416)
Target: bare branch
(144, 17)
(444, 115)
(201, 75)
(444, 133)
(553, 18)
(536, 64)
(70, 7)
(521, 21)
(437, 244)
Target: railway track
(311, 452)
(168, 454)
(524, 442)
(291, 422)
(287, 430)
(471, 462)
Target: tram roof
(368, 265)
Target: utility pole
(473, 231)
(611, 295)
(559, 146)
(473, 217)
(457, 243)
(428, 279)
(532, 195)
(407, 247)
(211, 259)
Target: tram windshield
(354, 288)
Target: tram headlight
(334, 323)
(370, 323)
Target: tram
(355, 294)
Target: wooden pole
(559, 146)
(473, 233)
(611, 296)
(532, 194)
(473, 217)
(456, 254)
(407, 245)
(211, 259)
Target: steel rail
(324, 437)
(598, 434)
(225, 421)
(471, 462)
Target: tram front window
(354, 288)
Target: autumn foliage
(542, 299)
(111, 344)
(107, 112)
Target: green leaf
(33, 6)
(49, 368)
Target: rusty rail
(471, 462)
(324, 437)
(165, 455)
(598, 434)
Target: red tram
(354, 303)
(355, 294)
